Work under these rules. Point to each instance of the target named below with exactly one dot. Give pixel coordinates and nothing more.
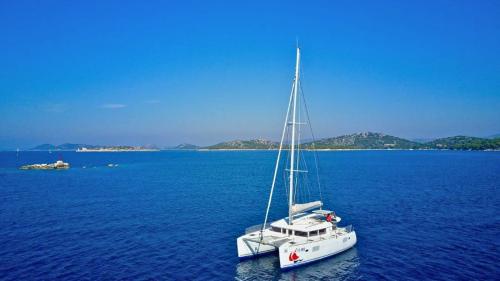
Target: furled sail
(298, 208)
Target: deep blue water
(176, 215)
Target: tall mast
(292, 145)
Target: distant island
(92, 148)
(121, 148)
(185, 146)
(366, 140)
(244, 144)
(465, 143)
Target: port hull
(250, 249)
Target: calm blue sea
(176, 215)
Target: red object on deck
(329, 218)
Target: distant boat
(309, 233)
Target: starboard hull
(293, 255)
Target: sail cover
(298, 208)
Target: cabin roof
(306, 223)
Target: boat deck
(270, 240)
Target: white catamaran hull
(292, 255)
(249, 249)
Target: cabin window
(313, 233)
(290, 232)
(301, 233)
(322, 231)
(276, 229)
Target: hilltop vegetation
(464, 143)
(245, 144)
(370, 140)
(366, 140)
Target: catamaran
(310, 232)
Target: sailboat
(310, 232)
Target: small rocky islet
(58, 165)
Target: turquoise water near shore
(175, 215)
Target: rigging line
(300, 195)
(306, 179)
(277, 164)
(296, 180)
(307, 192)
(313, 142)
(296, 185)
(287, 162)
(306, 189)
(285, 184)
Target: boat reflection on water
(340, 267)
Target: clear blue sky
(146, 72)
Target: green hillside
(245, 144)
(366, 140)
(464, 143)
